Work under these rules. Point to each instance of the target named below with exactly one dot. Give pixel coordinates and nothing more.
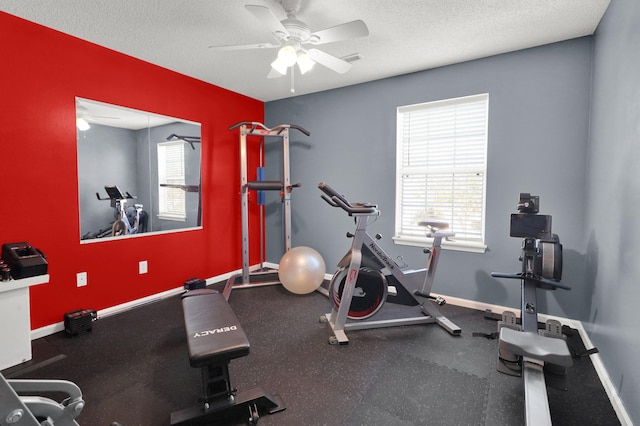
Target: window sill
(174, 218)
(452, 244)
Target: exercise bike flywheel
(369, 294)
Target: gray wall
(538, 131)
(613, 192)
(106, 156)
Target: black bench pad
(213, 331)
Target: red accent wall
(41, 73)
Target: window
(171, 172)
(441, 170)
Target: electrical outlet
(143, 267)
(81, 279)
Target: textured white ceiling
(404, 35)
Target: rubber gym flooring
(133, 368)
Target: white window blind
(171, 171)
(441, 167)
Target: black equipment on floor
(214, 338)
(78, 321)
(195, 284)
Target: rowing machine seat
(547, 349)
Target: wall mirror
(138, 173)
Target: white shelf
(23, 282)
(15, 320)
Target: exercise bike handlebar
(335, 199)
(115, 194)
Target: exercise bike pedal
(438, 300)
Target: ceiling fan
(293, 36)
(84, 117)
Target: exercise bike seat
(361, 205)
(547, 349)
(436, 225)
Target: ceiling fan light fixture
(287, 57)
(279, 66)
(305, 63)
(288, 54)
(82, 124)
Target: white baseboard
(610, 389)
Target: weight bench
(214, 338)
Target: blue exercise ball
(301, 270)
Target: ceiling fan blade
(105, 117)
(329, 61)
(231, 47)
(266, 16)
(349, 30)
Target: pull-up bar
(255, 126)
(250, 278)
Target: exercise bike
(367, 277)
(129, 220)
(523, 349)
